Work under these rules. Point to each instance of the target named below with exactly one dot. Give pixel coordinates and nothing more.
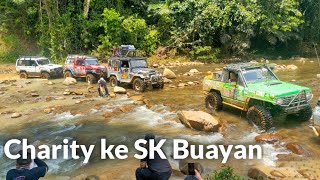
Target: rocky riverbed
(46, 111)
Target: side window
(125, 64)
(21, 63)
(33, 63)
(225, 76)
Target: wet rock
(269, 138)
(70, 81)
(199, 120)
(194, 71)
(307, 174)
(169, 74)
(50, 83)
(167, 81)
(92, 177)
(138, 103)
(126, 109)
(264, 172)
(137, 98)
(291, 67)
(59, 98)
(112, 95)
(276, 173)
(15, 115)
(77, 92)
(190, 83)
(318, 76)
(49, 98)
(254, 62)
(108, 114)
(181, 84)
(88, 95)
(209, 72)
(119, 90)
(48, 110)
(34, 94)
(295, 148)
(66, 93)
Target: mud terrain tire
(67, 74)
(139, 85)
(45, 75)
(113, 81)
(213, 101)
(160, 85)
(91, 79)
(260, 116)
(23, 75)
(305, 114)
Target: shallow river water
(89, 127)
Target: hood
(144, 70)
(95, 66)
(276, 88)
(51, 66)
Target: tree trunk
(86, 8)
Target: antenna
(315, 48)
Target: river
(85, 124)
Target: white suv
(36, 66)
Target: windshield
(139, 63)
(92, 61)
(258, 74)
(43, 61)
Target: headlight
(309, 95)
(279, 101)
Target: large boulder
(292, 67)
(264, 172)
(69, 81)
(269, 138)
(119, 90)
(169, 74)
(199, 120)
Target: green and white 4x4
(254, 88)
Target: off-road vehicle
(126, 67)
(255, 89)
(316, 119)
(36, 66)
(82, 66)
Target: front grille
(295, 100)
(155, 78)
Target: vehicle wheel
(90, 79)
(139, 85)
(45, 75)
(260, 117)
(67, 74)
(214, 101)
(113, 81)
(305, 114)
(160, 85)
(23, 75)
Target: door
(32, 68)
(125, 71)
(80, 69)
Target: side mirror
(233, 83)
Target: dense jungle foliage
(199, 29)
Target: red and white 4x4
(81, 66)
